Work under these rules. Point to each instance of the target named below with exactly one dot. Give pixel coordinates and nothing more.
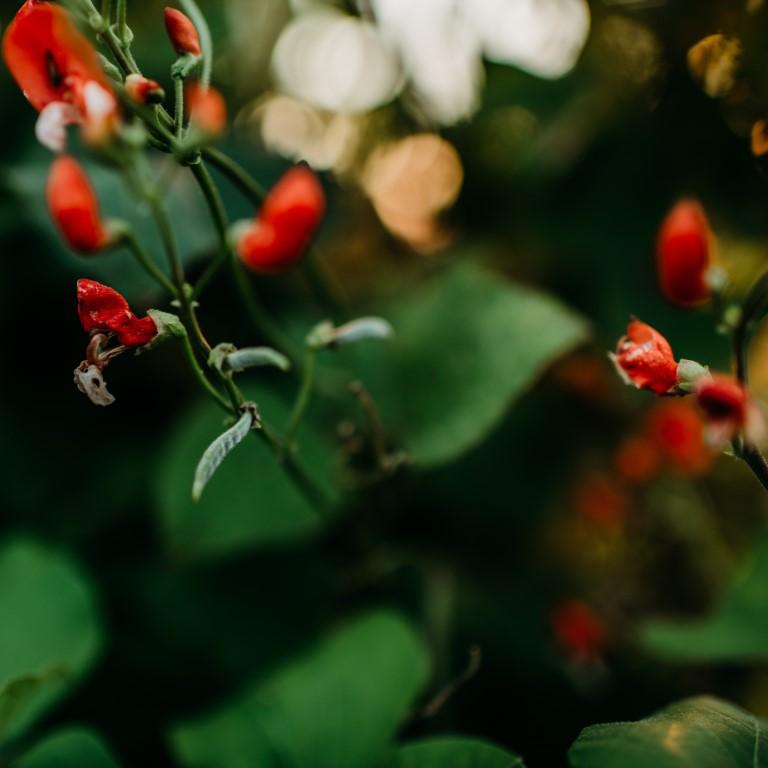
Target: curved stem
(178, 86)
(147, 264)
(206, 43)
(122, 24)
(303, 398)
(202, 378)
(237, 174)
(757, 462)
(258, 316)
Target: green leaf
(70, 748)
(737, 629)
(338, 707)
(218, 450)
(50, 631)
(453, 752)
(465, 347)
(702, 732)
(250, 501)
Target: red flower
(59, 72)
(286, 223)
(143, 90)
(182, 33)
(724, 402)
(676, 427)
(579, 630)
(644, 358)
(206, 108)
(683, 254)
(104, 310)
(74, 207)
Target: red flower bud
(286, 223)
(182, 33)
(143, 90)
(676, 427)
(644, 358)
(683, 254)
(723, 401)
(637, 459)
(104, 310)
(74, 207)
(579, 630)
(59, 72)
(601, 502)
(206, 108)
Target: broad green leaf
(337, 707)
(737, 628)
(702, 732)
(50, 631)
(218, 450)
(465, 347)
(250, 500)
(453, 752)
(70, 748)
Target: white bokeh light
(336, 62)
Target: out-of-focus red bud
(286, 223)
(181, 32)
(637, 459)
(676, 427)
(602, 502)
(74, 207)
(645, 359)
(142, 90)
(206, 108)
(103, 309)
(723, 401)
(579, 631)
(684, 254)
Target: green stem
(206, 43)
(756, 461)
(258, 316)
(237, 174)
(178, 113)
(303, 398)
(202, 378)
(122, 24)
(314, 267)
(106, 10)
(147, 264)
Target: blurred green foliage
(246, 630)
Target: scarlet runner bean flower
(101, 309)
(182, 33)
(286, 223)
(684, 254)
(206, 108)
(677, 429)
(74, 207)
(644, 359)
(59, 72)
